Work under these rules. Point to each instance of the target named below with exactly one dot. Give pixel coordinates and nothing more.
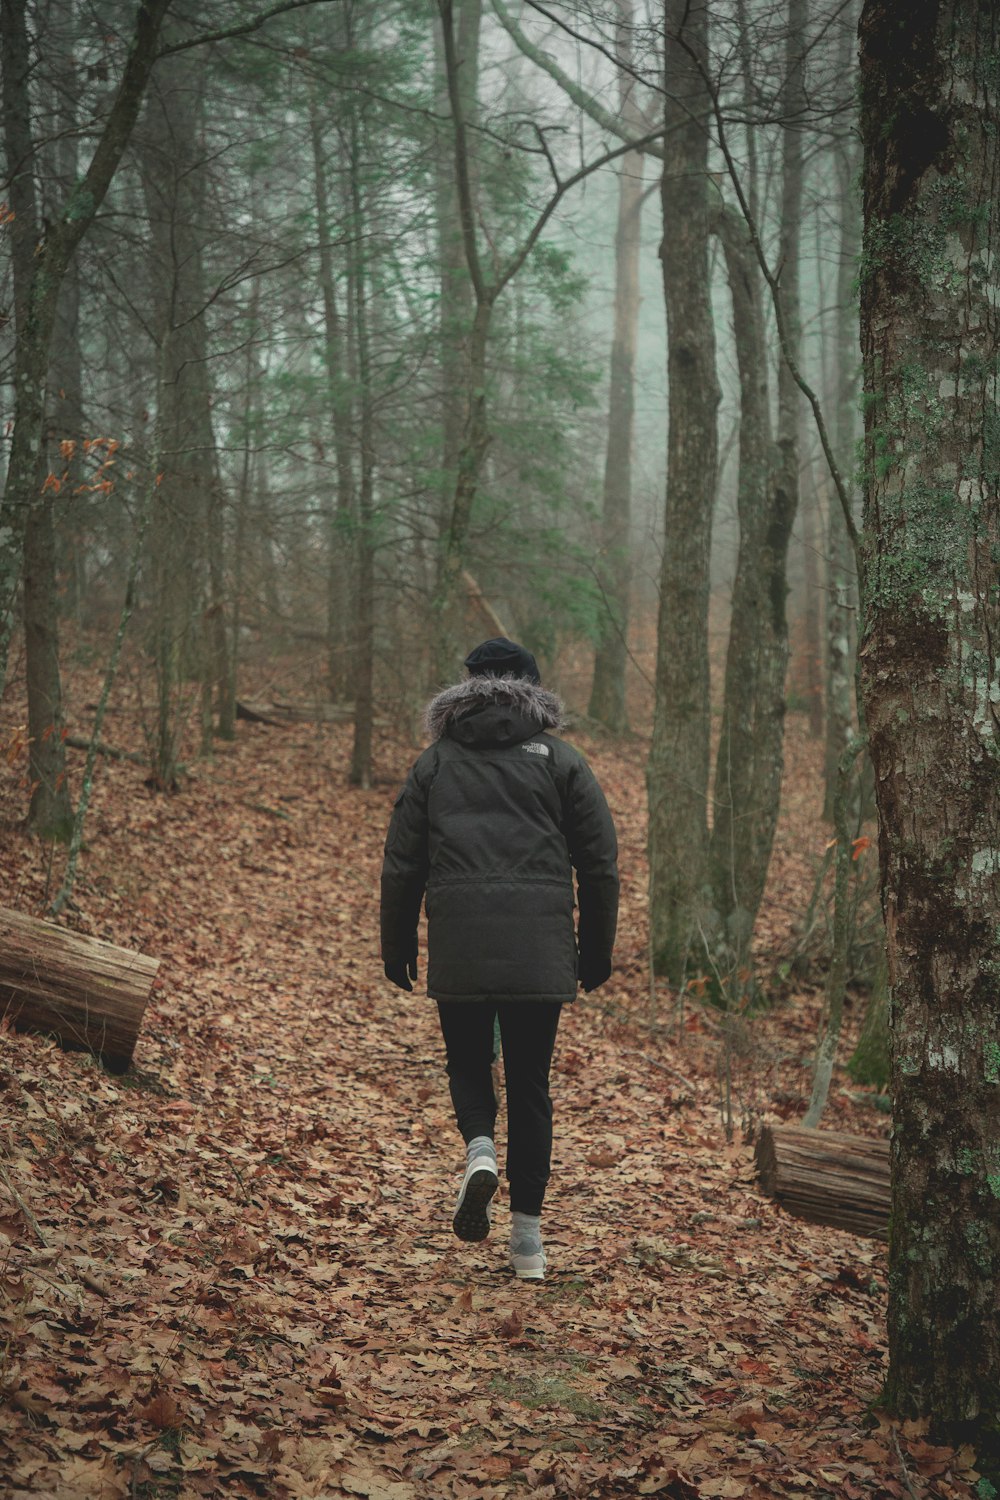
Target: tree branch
(88, 195)
(227, 33)
(517, 261)
(775, 290)
(577, 95)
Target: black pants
(528, 1034)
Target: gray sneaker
(473, 1212)
(527, 1260)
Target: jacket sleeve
(404, 869)
(593, 848)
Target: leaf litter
(232, 1270)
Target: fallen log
(827, 1177)
(79, 742)
(260, 713)
(88, 994)
(279, 715)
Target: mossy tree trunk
(931, 680)
(679, 899)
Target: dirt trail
(250, 1285)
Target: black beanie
(502, 658)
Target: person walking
(492, 821)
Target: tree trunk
(340, 588)
(733, 847)
(65, 420)
(869, 1062)
(842, 583)
(29, 535)
(364, 655)
(758, 779)
(450, 608)
(812, 532)
(465, 342)
(50, 814)
(931, 680)
(184, 530)
(836, 984)
(607, 694)
(215, 538)
(456, 303)
(679, 754)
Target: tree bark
(65, 421)
(733, 850)
(812, 532)
(827, 1177)
(187, 522)
(465, 341)
(679, 753)
(89, 994)
(607, 693)
(931, 681)
(836, 984)
(456, 292)
(28, 537)
(50, 814)
(364, 653)
(759, 777)
(842, 582)
(340, 584)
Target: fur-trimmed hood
(496, 710)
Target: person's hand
(593, 972)
(402, 973)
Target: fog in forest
(660, 336)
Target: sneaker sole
(529, 1275)
(529, 1272)
(472, 1221)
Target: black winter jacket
(491, 822)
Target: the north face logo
(535, 748)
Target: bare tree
(607, 694)
(680, 901)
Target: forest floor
(232, 1271)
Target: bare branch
(610, 122)
(517, 261)
(226, 33)
(773, 283)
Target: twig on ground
(12, 1190)
(664, 1067)
(902, 1464)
